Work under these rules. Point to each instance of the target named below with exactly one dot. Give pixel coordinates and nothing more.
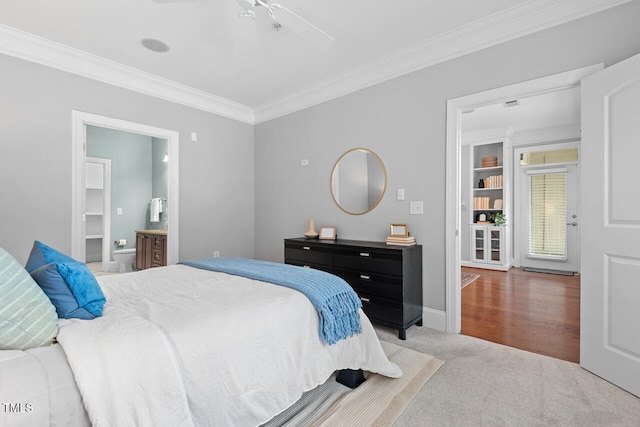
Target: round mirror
(358, 181)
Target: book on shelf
(493, 182)
(481, 203)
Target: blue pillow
(72, 288)
(42, 254)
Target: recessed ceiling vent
(155, 45)
(513, 103)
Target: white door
(610, 225)
(548, 216)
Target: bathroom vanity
(151, 248)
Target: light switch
(416, 207)
(118, 211)
(194, 136)
(400, 194)
(304, 162)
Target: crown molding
(36, 49)
(517, 21)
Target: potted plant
(498, 218)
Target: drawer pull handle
(306, 248)
(364, 254)
(363, 299)
(365, 277)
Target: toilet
(126, 258)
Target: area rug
(377, 402)
(467, 278)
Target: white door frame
(453, 179)
(79, 122)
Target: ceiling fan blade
(289, 19)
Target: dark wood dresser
(387, 278)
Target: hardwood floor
(536, 312)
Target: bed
(182, 346)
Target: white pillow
(28, 319)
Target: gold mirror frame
(335, 182)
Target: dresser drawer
(382, 309)
(366, 259)
(373, 283)
(323, 267)
(312, 253)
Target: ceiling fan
(282, 17)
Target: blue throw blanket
(336, 302)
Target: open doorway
(138, 166)
(80, 122)
(519, 190)
(455, 118)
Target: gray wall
(216, 172)
(404, 121)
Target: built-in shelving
(488, 242)
(94, 211)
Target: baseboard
(434, 319)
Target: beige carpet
(467, 278)
(377, 402)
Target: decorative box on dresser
(151, 248)
(387, 278)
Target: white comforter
(180, 346)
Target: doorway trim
(455, 107)
(79, 121)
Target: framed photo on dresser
(327, 232)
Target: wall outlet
(216, 254)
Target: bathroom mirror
(358, 181)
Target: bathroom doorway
(139, 166)
(81, 122)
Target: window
(547, 215)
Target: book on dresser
(387, 278)
(401, 241)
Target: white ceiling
(215, 63)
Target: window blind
(547, 216)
